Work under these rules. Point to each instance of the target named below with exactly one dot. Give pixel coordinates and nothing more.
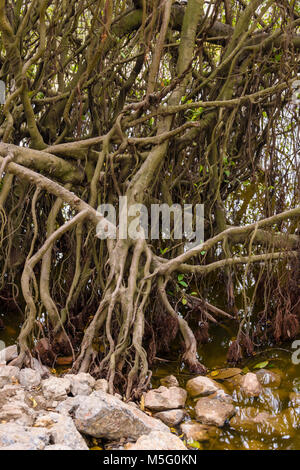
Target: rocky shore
(41, 411)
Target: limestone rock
(8, 354)
(202, 386)
(103, 415)
(163, 398)
(171, 417)
(40, 368)
(157, 440)
(56, 388)
(18, 435)
(57, 447)
(29, 378)
(81, 384)
(62, 430)
(18, 412)
(21, 447)
(8, 375)
(213, 411)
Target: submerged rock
(81, 384)
(268, 378)
(225, 373)
(164, 398)
(251, 419)
(202, 386)
(29, 378)
(213, 411)
(103, 415)
(8, 375)
(157, 440)
(171, 417)
(250, 385)
(198, 432)
(295, 399)
(169, 381)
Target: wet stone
(169, 381)
(163, 398)
(250, 385)
(213, 411)
(202, 386)
(172, 417)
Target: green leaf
(184, 284)
(203, 252)
(184, 301)
(180, 277)
(261, 365)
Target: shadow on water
(10, 324)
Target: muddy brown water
(213, 355)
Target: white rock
(21, 447)
(38, 367)
(29, 378)
(17, 435)
(157, 440)
(202, 386)
(250, 385)
(8, 354)
(81, 384)
(8, 375)
(18, 412)
(163, 398)
(62, 430)
(56, 388)
(57, 447)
